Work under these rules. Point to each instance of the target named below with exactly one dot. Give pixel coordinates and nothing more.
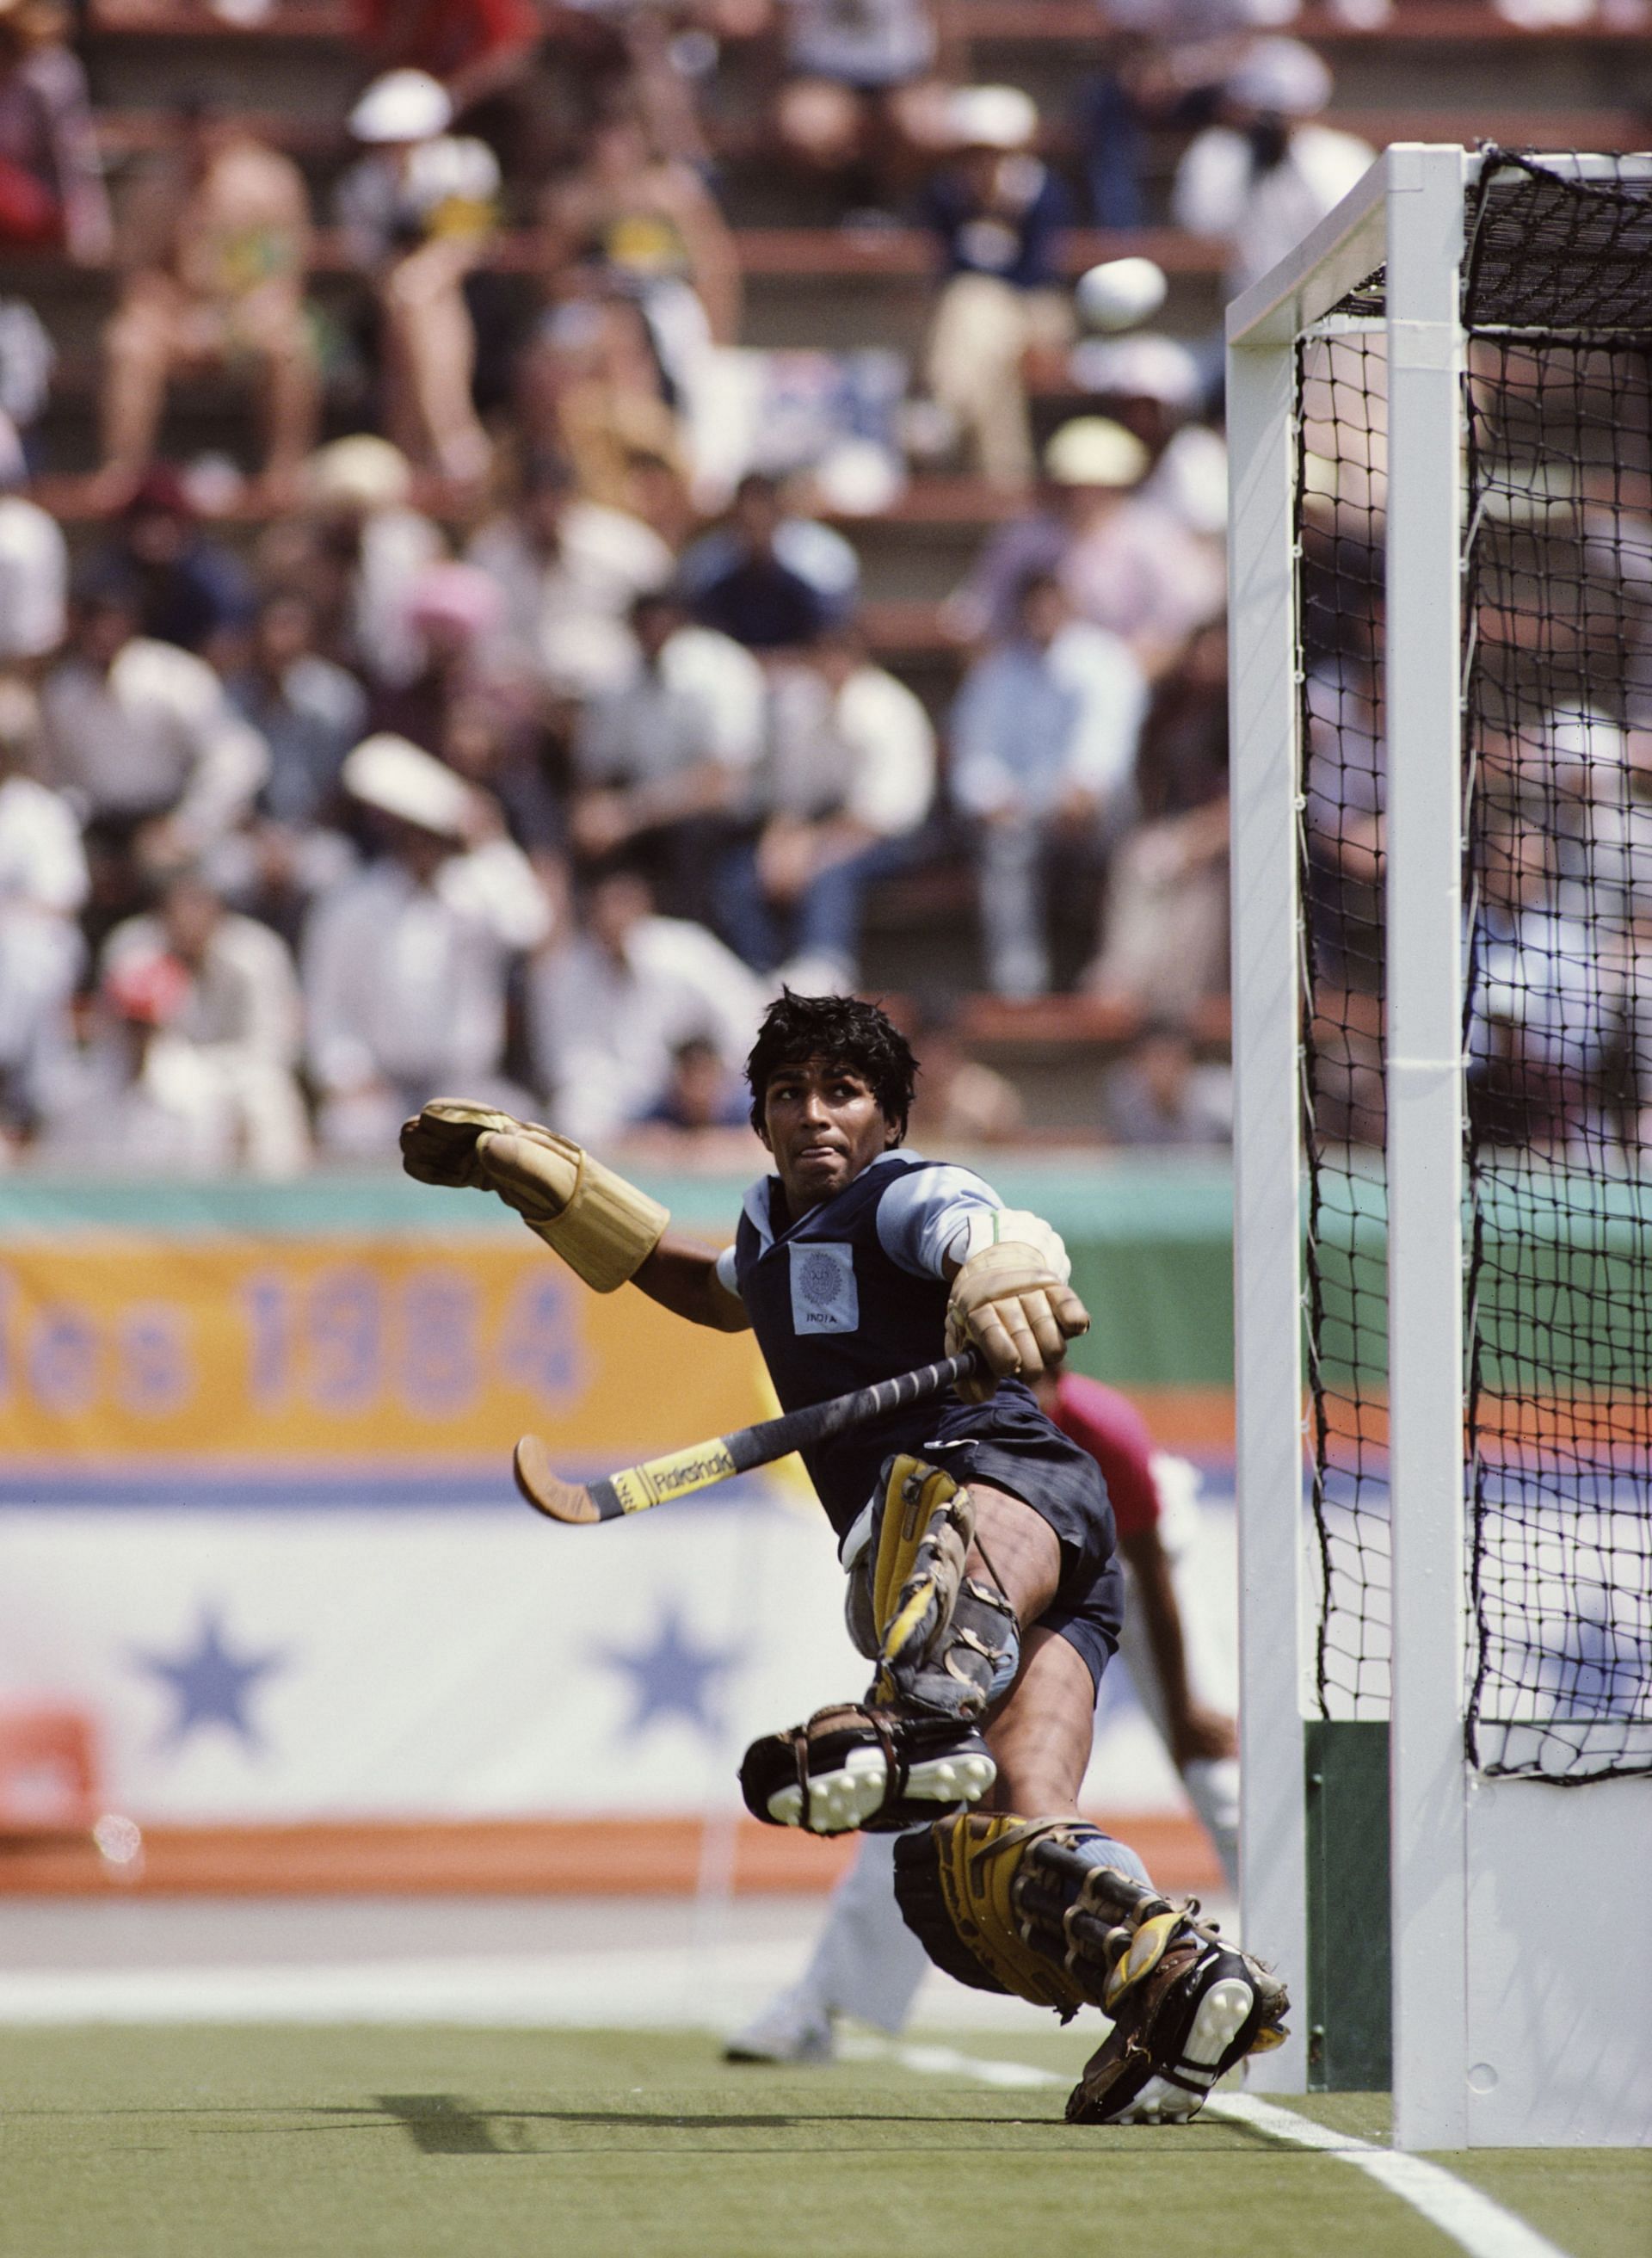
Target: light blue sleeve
(924, 1210)
(724, 1267)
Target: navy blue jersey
(856, 1291)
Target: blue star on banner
(212, 1685)
(673, 1677)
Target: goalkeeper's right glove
(604, 1228)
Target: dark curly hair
(844, 1030)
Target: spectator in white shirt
(662, 757)
(1264, 175)
(138, 1101)
(609, 1011)
(1044, 747)
(846, 784)
(569, 570)
(142, 735)
(34, 563)
(405, 963)
(43, 883)
(240, 1013)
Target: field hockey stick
(633, 1489)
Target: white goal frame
(1521, 1991)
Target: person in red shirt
(866, 1962)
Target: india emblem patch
(825, 1298)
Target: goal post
(1440, 425)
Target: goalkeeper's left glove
(1011, 1301)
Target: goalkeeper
(978, 1540)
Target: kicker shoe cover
(855, 1765)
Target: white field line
(1464, 2214)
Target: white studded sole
(1220, 2011)
(843, 1800)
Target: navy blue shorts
(1010, 1443)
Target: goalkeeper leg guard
(1201, 2008)
(1024, 1907)
(853, 1765)
(945, 1644)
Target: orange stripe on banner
(1187, 1418)
(514, 1858)
(1506, 1422)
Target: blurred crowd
(508, 717)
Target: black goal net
(1557, 890)
(1558, 954)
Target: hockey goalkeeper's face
(823, 1124)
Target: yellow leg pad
(978, 1862)
(1146, 1949)
(919, 1500)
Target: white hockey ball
(1121, 292)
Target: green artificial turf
(441, 2143)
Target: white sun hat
(363, 472)
(991, 118)
(392, 775)
(1281, 76)
(1093, 451)
(403, 105)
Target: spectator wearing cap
(195, 592)
(858, 104)
(52, 193)
(1043, 738)
(1151, 385)
(355, 555)
(142, 734)
(416, 211)
(215, 248)
(568, 571)
(664, 756)
(609, 1008)
(847, 781)
(43, 885)
(34, 565)
(998, 209)
(405, 962)
(240, 1013)
(1128, 564)
(1266, 173)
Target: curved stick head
(545, 1490)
